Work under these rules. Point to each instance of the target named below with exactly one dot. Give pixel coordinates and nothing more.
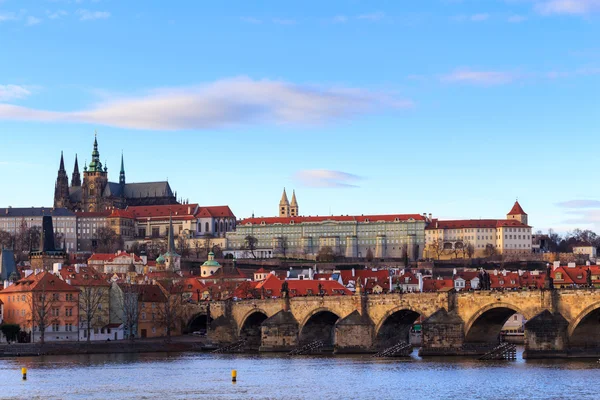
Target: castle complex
(95, 193)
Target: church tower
(61, 188)
(122, 173)
(517, 213)
(284, 205)
(76, 178)
(95, 179)
(294, 205)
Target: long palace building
(386, 236)
(97, 194)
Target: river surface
(207, 376)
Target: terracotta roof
(338, 218)
(214, 211)
(112, 256)
(517, 210)
(118, 213)
(364, 274)
(261, 271)
(272, 287)
(433, 285)
(40, 282)
(179, 211)
(87, 276)
(474, 223)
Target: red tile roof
(112, 256)
(338, 218)
(474, 223)
(272, 287)
(433, 285)
(178, 211)
(44, 281)
(87, 276)
(214, 211)
(517, 210)
(118, 213)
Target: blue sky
(443, 106)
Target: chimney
(56, 267)
(495, 272)
(571, 265)
(420, 276)
(28, 272)
(353, 272)
(391, 285)
(76, 268)
(68, 281)
(587, 263)
(556, 265)
(6, 284)
(429, 216)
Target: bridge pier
(279, 333)
(354, 334)
(443, 335)
(546, 336)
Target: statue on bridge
(588, 277)
(485, 282)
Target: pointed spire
(284, 198)
(294, 202)
(171, 242)
(122, 174)
(76, 177)
(62, 163)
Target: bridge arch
(395, 326)
(584, 331)
(485, 325)
(198, 322)
(319, 325)
(250, 328)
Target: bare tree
(183, 246)
(490, 250)
(108, 240)
(437, 247)
(170, 313)
(250, 243)
(6, 240)
(197, 248)
(41, 302)
(369, 255)
(91, 298)
(59, 239)
(283, 245)
(129, 299)
(326, 254)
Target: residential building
(15, 220)
(271, 287)
(586, 249)
(88, 225)
(151, 303)
(120, 262)
(479, 237)
(42, 294)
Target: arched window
(206, 227)
(216, 226)
(221, 226)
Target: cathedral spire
(294, 205)
(95, 165)
(284, 205)
(76, 177)
(62, 164)
(122, 174)
(171, 242)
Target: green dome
(160, 260)
(211, 263)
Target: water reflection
(193, 375)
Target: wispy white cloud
(280, 21)
(56, 14)
(224, 103)
(375, 16)
(325, 178)
(579, 204)
(7, 16)
(515, 19)
(479, 17)
(569, 7)
(87, 15)
(13, 92)
(31, 20)
(485, 78)
(339, 19)
(251, 20)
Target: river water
(207, 376)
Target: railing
(231, 348)
(504, 351)
(401, 349)
(307, 348)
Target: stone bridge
(560, 323)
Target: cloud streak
(568, 7)
(13, 92)
(87, 15)
(483, 78)
(579, 204)
(224, 103)
(325, 178)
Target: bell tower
(95, 179)
(294, 205)
(284, 205)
